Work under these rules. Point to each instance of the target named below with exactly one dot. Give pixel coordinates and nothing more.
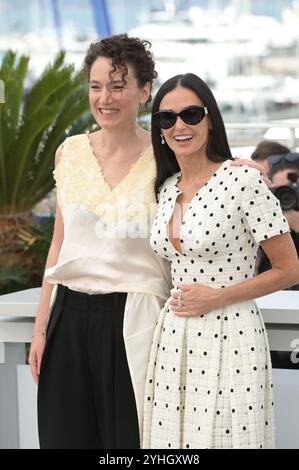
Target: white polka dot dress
(209, 377)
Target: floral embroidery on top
(80, 182)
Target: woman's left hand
(194, 299)
(253, 164)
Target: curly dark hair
(124, 50)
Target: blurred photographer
(284, 173)
(266, 148)
(283, 170)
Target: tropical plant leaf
(74, 108)
(14, 89)
(32, 127)
(12, 73)
(33, 123)
(44, 90)
(13, 273)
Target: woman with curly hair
(91, 363)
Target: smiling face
(185, 140)
(113, 102)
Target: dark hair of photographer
(266, 148)
(284, 173)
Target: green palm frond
(70, 114)
(52, 80)
(14, 89)
(13, 273)
(12, 73)
(33, 126)
(33, 123)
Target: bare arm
(292, 217)
(47, 288)
(284, 273)
(52, 258)
(259, 207)
(199, 299)
(38, 338)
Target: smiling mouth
(107, 111)
(182, 138)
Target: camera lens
(288, 197)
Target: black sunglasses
(191, 115)
(287, 157)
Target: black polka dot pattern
(217, 366)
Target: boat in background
(252, 70)
(250, 62)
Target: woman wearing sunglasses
(91, 364)
(209, 377)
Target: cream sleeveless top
(106, 247)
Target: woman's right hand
(36, 353)
(38, 339)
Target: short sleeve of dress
(261, 208)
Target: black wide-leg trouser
(85, 393)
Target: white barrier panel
(27, 395)
(18, 423)
(286, 407)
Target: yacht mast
(241, 6)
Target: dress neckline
(130, 172)
(179, 175)
(179, 191)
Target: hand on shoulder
(252, 164)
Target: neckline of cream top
(132, 168)
(96, 256)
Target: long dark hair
(217, 147)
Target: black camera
(288, 196)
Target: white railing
(251, 133)
(18, 425)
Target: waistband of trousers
(76, 297)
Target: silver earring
(162, 139)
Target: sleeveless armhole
(57, 171)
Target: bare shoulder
(94, 136)
(58, 154)
(70, 142)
